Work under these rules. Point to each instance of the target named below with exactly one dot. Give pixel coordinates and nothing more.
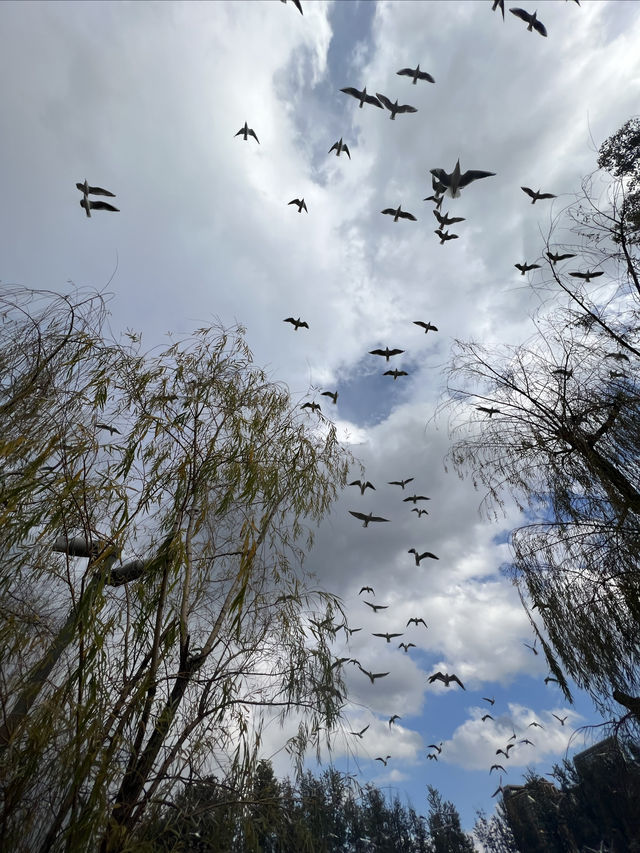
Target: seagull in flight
(433, 746)
(332, 394)
(395, 108)
(395, 373)
(587, 276)
(415, 498)
(367, 518)
(445, 678)
(362, 97)
(436, 199)
(561, 720)
(96, 205)
(393, 719)
(406, 646)
(493, 766)
(315, 407)
(428, 327)
(297, 4)
(487, 717)
(533, 647)
(398, 213)
(419, 557)
(401, 483)
(457, 180)
(338, 147)
(386, 352)
(420, 512)
(536, 196)
(301, 205)
(535, 724)
(361, 732)
(373, 675)
(555, 258)
(376, 607)
(388, 637)
(297, 324)
(498, 4)
(446, 219)
(87, 190)
(489, 410)
(525, 267)
(415, 621)
(384, 760)
(367, 589)
(445, 235)
(362, 486)
(416, 74)
(492, 702)
(527, 17)
(246, 132)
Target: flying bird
(362, 97)
(445, 235)
(419, 557)
(428, 327)
(536, 195)
(502, 752)
(527, 17)
(487, 717)
(433, 746)
(367, 518)
(457, 180)
(555, 258)
(402, 214)
(536, 725)
(406, 646)
(499, 789)
(533, 647)
(373, 675)
(401, 483)
(332, 394)
(416, 74)
(376, 607)
(492, 702)
(96, 205)
(246, 132)
(415, 621)
(527, 741)
(395, 108)
(415, 498)
(525, 267)
(494, 767)
(362, 486)
(587, 276)
(338, 147)
(361, 732)
(297, 324)
(351, 631)
(297, 4)
(561, 720)
(393, 719)
(301, 205)
(386, 352)
(315, 407)
(87, 190)
(489, 410)
(445, 678)
(384, 760)
(446, 219)
(436, 199)
(395, 373)
(549, 678)
(367, 589)
(111, 429)
(420, 512)
(498, 4)
(432, 756)
(388, 637)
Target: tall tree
(554, 425)
(444, 826)
(620, 155)
(155, 510)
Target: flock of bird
(444, 184)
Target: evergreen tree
(444, 826)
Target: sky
(145, 99)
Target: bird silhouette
(361, 732)
(351, 631)
(420, 512)
(246, 132)
(419, 557)
(499, 789)
(415, 498)
(366, 589)
(401, 483)
(549, 678)
(555, 258)
(527, 741)
(444, 236)
(297, 4)
(536, 195)
(525, 267)
(362, 97)
(438, 748)
(491, 701)
(494, 767)
(445, 678)
(109, 428)
(416, 621)
(393, 719)
(428, 327)
(489, 410)
(89, 205)
(407, 646)
(338, 147)
(533, 647)
(416, 74)
(436, 199)
(332, 394)
(384, 760)
(386, 352)
(561, 720)
(617, 356)
(587, 276)
(315, 407)
(373, 675)
(388, 637)
(376, 607)
(362, 486)
(87, 190)
(487, 717)
(394, 108)
(535, 725)
(498, 4)
(297, 324)
(301, 205)
(395, 373)
(446, 219)
(367, 518)
(457, 180)
(432, 757)
(531, 19)
(398, 213)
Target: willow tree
(154, 512)
(553, 424)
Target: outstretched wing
(404, 215)
(522, 14)
(473, 175)
(437, 676)
(378, 518)
(423, 75)
(406, 108)
(384, 100)
(457, 680)
(102, 205)
(349, 90)
(407, 72)
(362, 517)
